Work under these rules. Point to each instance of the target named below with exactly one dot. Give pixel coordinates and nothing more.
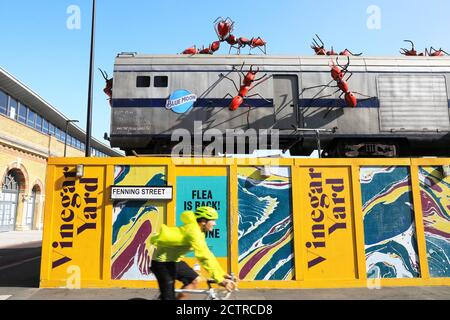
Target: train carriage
(403, 102)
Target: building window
(45, 126)
(39, 122)
(51, 129)
(31, 118)
(69, 140)
(13, 105)
(57, 133)
(22, 114)
(143, 82)
(161, 82)
(3, 103)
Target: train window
(143, 82)
(161, 82)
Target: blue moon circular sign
(181, 101)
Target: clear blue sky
(39, 49)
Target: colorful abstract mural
(435, 196)
(265, 234)
(134, 222)
(389, 227)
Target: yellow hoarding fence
(283, 223)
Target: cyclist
(173, 243)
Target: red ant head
(224, 27)
(253, 72)
(319, 49)
(411, 52)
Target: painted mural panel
(389, 227)
(435, 196)
(328, 227)
(265, 234)
(134, 222)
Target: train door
(285, 94)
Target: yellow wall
(336, 259)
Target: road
(20, 266)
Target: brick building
(31, 131)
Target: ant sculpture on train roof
(224, 29)
(320, 50)
(432, 52)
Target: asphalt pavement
(20, 274)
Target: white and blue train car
(403, 102)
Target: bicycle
(211, 293)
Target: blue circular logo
(181, 101)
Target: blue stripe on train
(373, 102)
(256, 103)
(201, 103)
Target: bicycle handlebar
(210, 282)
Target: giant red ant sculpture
(413, 51)
(109, 85)
(224, 29)
(432, 52)
(213, 47)
(320, 50)
(338, 74)
(247, 84)
(437, 53)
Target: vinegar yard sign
(76, 215)
(328, 230)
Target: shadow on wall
(20, 267)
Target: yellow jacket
(173, 243)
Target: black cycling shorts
(185, 273)
(167, 272)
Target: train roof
(305, 63)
